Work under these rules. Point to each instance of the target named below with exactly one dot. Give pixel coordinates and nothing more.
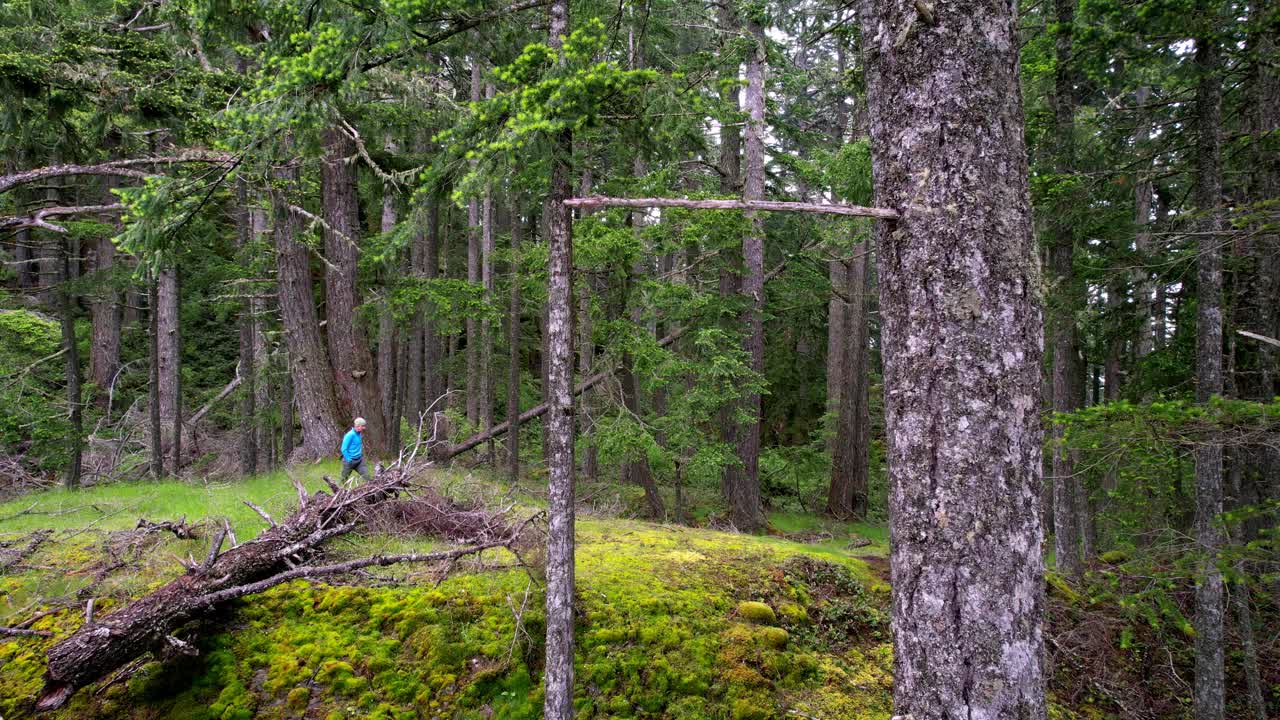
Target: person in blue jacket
(353, 452)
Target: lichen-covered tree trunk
(353, 368)
(487, 380)
(1143, 287)
(310, 379)
(961, 337)
(513, 347)
(558, 674)
(745, 508)
(1067, 299)
(474, 252)
(1209, 694)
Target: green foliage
(32, 424)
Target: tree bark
(248, 426)
(107, 317)
(730, 167)
(1209, 694)
(353, 367)
(388, 334)
(153, 397)
(848, 492)
(167, 313)
(513, 348)
(837, 343)
(434, 383)
(75, 438)
(309, 377)
(1067, 299)
(474, 253)
(746, 510)
(558, 675)
(961, 339)
(1144, 288)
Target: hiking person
(353, 452)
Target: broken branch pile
(283, 552)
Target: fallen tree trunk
(279, 554)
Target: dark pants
(358, 465)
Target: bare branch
(38, 219)
(118, 168)
(596, 201)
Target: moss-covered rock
(774, 637)
(757, 612)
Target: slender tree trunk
(1209, 695)
(837, 343)
(156, 437)
(746, 510)
(961, 341)
(474, 244)
(1144, 288)
(1066, 365)
(167, 313)
(558, 703)
(513, 348)
(287, 443)
(107, 317)
(264, 367)
(586, 364)
(388, 335)
(433, 344)
(248, 342)
(177, 367)
(487, 380)
(353, 367)
(309, 378)
(730, 167)
(67, 303)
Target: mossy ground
(659, 631)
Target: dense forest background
(229, 227)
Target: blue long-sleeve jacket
(352, 446)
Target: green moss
(773, 637)
(1060, 586)
(793, 613)
(757, 612)
(298, 698)
(1114, 557)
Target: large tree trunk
(353, 367)
(558, 675)
(848, 493)
(107, 317)
(388, 334)
(310, 377)
(745, 510)
(1067, 299)
(1209, 697)
(961, 337)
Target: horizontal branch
(118, 168)
(38, 219)
(596, 201)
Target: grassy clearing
(662, 632)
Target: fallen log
(279, 554)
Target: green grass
(842, 533)
(118, 506)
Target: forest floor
(675, 622)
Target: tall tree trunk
(1067, 298)
(730, 167)
(961, 340)
(487, 380)
(837, 343)
(388, 335)
(309, 379)
(167, 313)
(264, 366)
(1209, 695)
(177, 379)
(107, 317)
(746, 510)
(848, 492)
(67, 303)
(434, 383)
(513, 348)
(558, 703)
(287, 443)
(156, 438)
(353, 367)
(474, 252)
(248, 342)
(1143, 287)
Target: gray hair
(360, 422)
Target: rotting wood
(595, 201)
